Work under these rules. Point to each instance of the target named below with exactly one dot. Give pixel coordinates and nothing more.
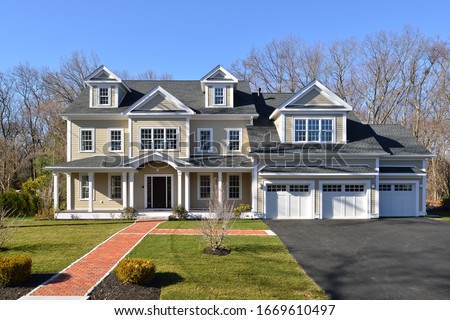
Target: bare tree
(9, 223)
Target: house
(154, 144)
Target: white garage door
(344, 201)
(398, 200)
(289, 201)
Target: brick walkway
(194, 232)
(80, 277)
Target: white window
(116, 140)
(234, 186)
(313, 130)
(332, 188)
(299, 188)
(87, 140)
(234, 139)
(219, 95)
(104, 96)
(84, 187)
(403, 187)
(115, 191)
(205, 140)
(159, 138)
(204, 187)
(354, 188)
(276, 187)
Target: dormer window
(104, 96)
(313, 130)
(219, 96)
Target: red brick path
(197, 232)
(79, 278)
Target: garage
(289, 201)
(398, 199)
(345, 201)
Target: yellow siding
(314, 97)
(94, 95)
(101, 194)
(219, 133)
(101, 136)
(159, 103)
(289, 128)
(290, 125)
(112, 101)
(177, 123)
(211, 96)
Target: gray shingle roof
(400, 170)
(95, 162)
(221, 161)
(187, 91)
(321, 169)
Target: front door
(159, 192)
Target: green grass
(235, 225)
(54, 244)
(257, 268)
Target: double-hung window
(234, 187)
(205, 137)
(115, 187)
(234, 139)
(313, 130)
(104, 96)
(87, 140)
(219, 95)
(84, 187)
(205, 187)
(116, 140)
(159, 138)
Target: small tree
(214, 227)
(8, 224)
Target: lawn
(258, 267)
(54, 244)
(236, 225)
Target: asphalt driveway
(406, 258)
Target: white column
(424, 195)
(124, 190)
(179, 184)
(220, 186)
(91, 191)
(186, 192)
(130, 138)
(254, 187)
(131, 181)
(377, 189)
(69, 191)
(55, 192)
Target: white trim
(188, 136)
(80, 189)
(254, 186)
(319, 118)
(376, 213)
(344, 182)
(131, 188)
(110, 102)
(224, 95)
(403, 174)
(171, 188)
(283, 128)
(122, 140)
(80, 141)
(344, 128)
(198, 147)
(310, 86)
(165, 137)
(240, 185)
(187, 192)
(116, 95)
(124, 190)
(69, 140)
(91, 191)
(295, 174)
(220, 186)
(424, 195)
(229, 78)
(312, 189)
(118, 174)
(85, 169)
(112, 76)
(210, 186)
(243, 116)
(55, 192)
(69, 191)
(179, 187)
(130, 138)
(167, 95)
(228, 140)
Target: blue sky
(187, 38)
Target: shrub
(14, 270)
(180, 212)
(446, 201)
(129, 213)
(243, 207)
(136, 270)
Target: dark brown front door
(159, 193)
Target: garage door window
(332, 188)
(299, 188)
(354, 188)
(403, 187)
(385, 187)
(276, 187)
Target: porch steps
(151, 218)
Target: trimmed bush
(14, 270)
(180, 212)
(243, 207)
(129, 213)
(135, 270)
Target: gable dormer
(313, 115)
(218, 86)
(106, 89)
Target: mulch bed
(14, 293)
(112, 288)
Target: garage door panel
(289, 201)
(398, 199)
(344, 201)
